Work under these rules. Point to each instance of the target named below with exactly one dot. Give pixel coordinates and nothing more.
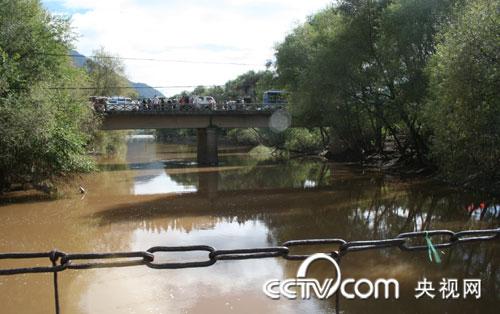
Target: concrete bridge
(205, 121)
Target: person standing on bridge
(156, 102)
(183, 102)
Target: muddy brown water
(155, 195)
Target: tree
(359, 68)
(44, 129)
(250, 84)
(107, 73)
(217, 92)
(464, 105)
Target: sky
(216, 31)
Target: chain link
(176, 265)
(477, 235)
(405, 246)
(312, 242)
(62, 261)
(145, 257)
(356, 246)
(240, 254)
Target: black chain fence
(409, 241)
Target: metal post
(337, 294)
(53, 259)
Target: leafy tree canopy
(44, 129)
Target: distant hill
(78, 59)
(144, 90)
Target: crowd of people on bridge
(183, 103)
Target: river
(155, 195)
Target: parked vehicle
(204, 102)
(274, 99)
(239, 104)
(118, 103)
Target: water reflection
(222, 288)
(160, 197)
(153, 176)
(159, 184)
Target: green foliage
(217, 92)
(107, 74)
(244, 136)
(250, 84)
(260, 152)
(420, 76)
(176, 135)
(295, 140)
(303, 140)
(359, 68)
(109, 143)
(464, 105)
(43, 131)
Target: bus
(274, 99)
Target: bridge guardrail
(178, 107)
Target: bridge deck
(199, 119)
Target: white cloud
(243, 31)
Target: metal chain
(62, 261)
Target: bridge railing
(178, 107)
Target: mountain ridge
(142, 89)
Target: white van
(121, 104)
(203, 102)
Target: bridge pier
(207, 147)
